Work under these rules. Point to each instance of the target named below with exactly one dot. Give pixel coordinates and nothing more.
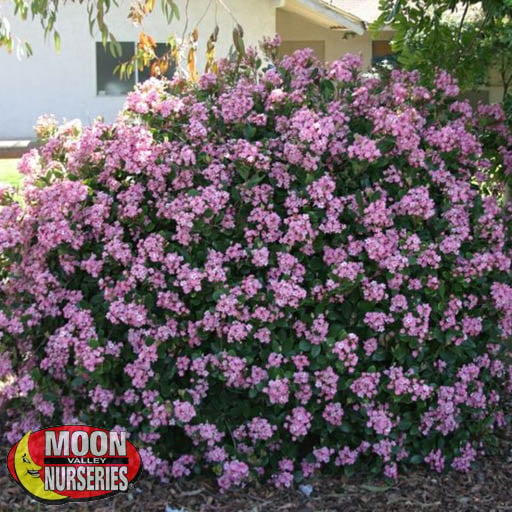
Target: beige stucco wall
(495, 94)
(293, 27)
(495, 88)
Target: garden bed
(488, 487)
(276, 273)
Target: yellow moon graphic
(28, 472)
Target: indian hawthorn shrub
(270, 273)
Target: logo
(73, 463)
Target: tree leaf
(56, 39)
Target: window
(381, 51)
(109, 83)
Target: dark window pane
(160, 50)
(107, 82)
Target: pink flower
(277, 391)
(333, 413)
(364, 148)
(183, 411)
(435, 460)
(467, 456)
(366, 385)
(298, 422)
(235, 472)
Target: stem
(227, 9)
(461, 24)
(204, 13)
(458, 54)
(186, 23)
(505, 81)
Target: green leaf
(254, 180)
(77, 381)
(375, 488)
(416, 459)
(287, 345)
(379, 355)
(249, 131)
(327, 89)
(243, 171)
(304, 346)
(175, 11)
(50, 396)
(56, 39)
(217, 294)
(405, 425)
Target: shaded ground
(487, 489)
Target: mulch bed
(486, 489)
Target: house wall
(64, 84)
(293, 27)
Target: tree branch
(461, 24)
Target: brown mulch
(486, 489)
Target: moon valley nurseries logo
(73, 463)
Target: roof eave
(332, 15)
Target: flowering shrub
(268, 274)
